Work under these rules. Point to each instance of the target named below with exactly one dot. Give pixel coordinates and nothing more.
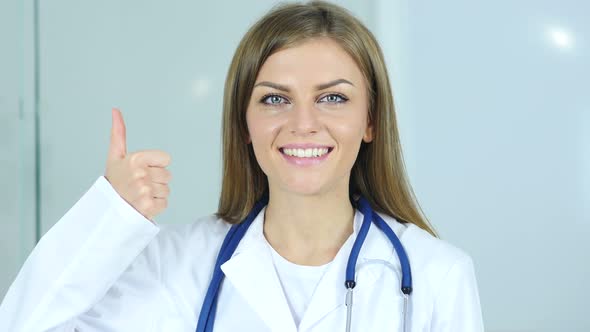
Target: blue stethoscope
(237, 231)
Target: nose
(304, 120)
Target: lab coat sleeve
(457, 306)
(76, 262)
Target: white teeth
(306, 153)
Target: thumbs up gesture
(140, 178)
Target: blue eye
(334, 98)
(272, 99)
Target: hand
(140, 178)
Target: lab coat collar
(252, 273)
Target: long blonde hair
(378, 173)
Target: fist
(140, 178)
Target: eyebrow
(318, 87)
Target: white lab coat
(104, 267)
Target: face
(307, 117)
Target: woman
(309, 133)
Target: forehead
(315, 60)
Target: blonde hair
(378, 173)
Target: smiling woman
(311, 111)
(334, 51)
(313, 183)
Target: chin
(305, 187)
(305, 191)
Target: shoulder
(428, 249)
(429, 254)
(203, 236)
(203, 230)
(182, 257)
(180, 246)
(440, 271)
(444, 279)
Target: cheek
(254, 126)
(350, 131)
(350, 125)
(262, 131)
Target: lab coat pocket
(379, 308)
(374, 310)
(378, 305)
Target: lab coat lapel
(251, 272)
(330, 293)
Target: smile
(307, 156)
(306, 153)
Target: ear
(368, 136)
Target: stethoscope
(237, 231)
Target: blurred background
(492, 101)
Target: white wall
(17, 140)
(164, 65)
(493, 99)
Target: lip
(306, 161)
(305, 146)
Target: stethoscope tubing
(208, 310)
(236, 233)
(350, 283)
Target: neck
(308, 229)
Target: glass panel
(17, 197)
(164, 66)
(493, 100)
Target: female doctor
(313, 179)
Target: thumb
(118, 147)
